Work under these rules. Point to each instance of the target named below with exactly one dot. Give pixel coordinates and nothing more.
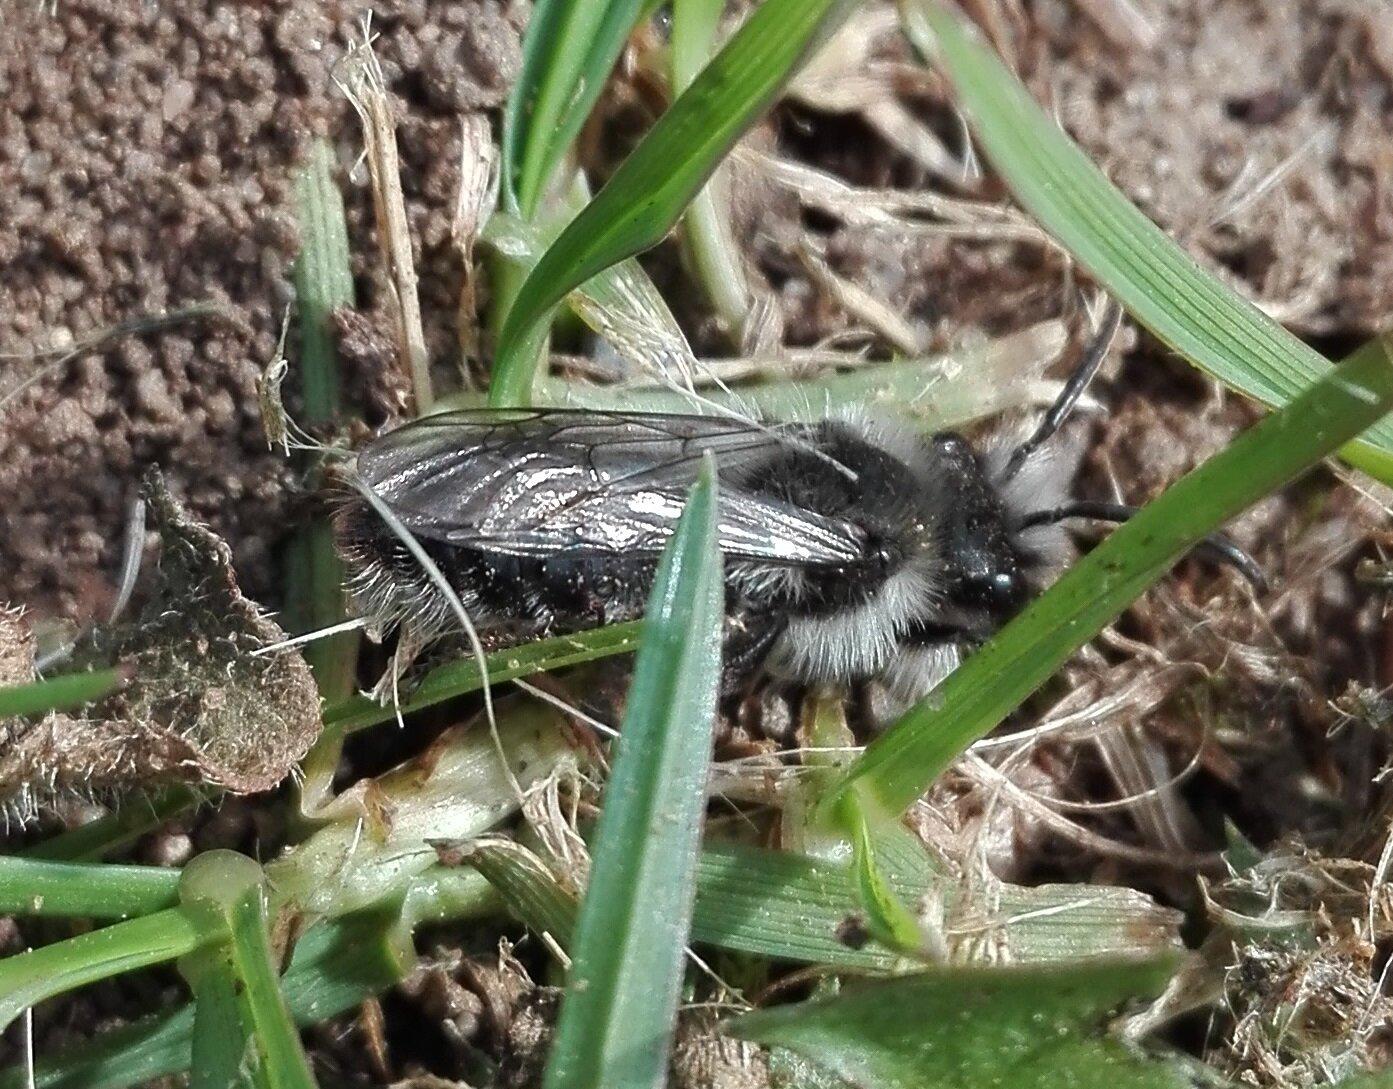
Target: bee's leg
(749, 636)
(410, 642)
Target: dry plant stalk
(862, 305)
(366, 90)
(478, 194)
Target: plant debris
(201, 706)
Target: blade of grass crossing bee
(904, 761)
(463, 676)
(620, 1006)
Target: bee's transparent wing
(559, 482)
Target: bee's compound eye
(951, 445)
(1007, 591)
(1001, 592)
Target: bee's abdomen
(524, 595)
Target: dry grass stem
(477, 197)
(366, 90)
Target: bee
(856, 548)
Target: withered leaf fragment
(200, 708)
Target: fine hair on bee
(856, 548)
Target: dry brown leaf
(200, 707)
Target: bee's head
(986, 570)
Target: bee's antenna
(1074, 386)
(1216, 546)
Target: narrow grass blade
(461, 677)
(567, 55)
(279, 1053)
(621, 998)
(654, 185)
(241, 1020)
(706, 228)
(888, 917)
(792, 908)
(59, 693)
(30, 977)
(974, 1028)
(779, 905)
(621, 304)
(527, 885)
(902, 763)
(31, 886)
(323, 283)
(1160, 285)
(220, 1038)
(336, 965)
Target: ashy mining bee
(856, 549)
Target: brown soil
(1256, 134)
(146, 159)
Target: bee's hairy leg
(749, 635)
(410, 642)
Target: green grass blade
(621, 303)
(30, 977)
(793, 908)
(567, 54)
(975, 1028)
(654, 185)
(461, 677)
(59, 693)
(710, 243)
(241, 1019)
(527, 885)
(337, 964)
(888, 917)
(1160, 285)
(219, 1034)
(279, 1052)
(788, 907)
(620, 1006)
(904, 761)
(31, 886)
(323, 283)
(779, 905)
